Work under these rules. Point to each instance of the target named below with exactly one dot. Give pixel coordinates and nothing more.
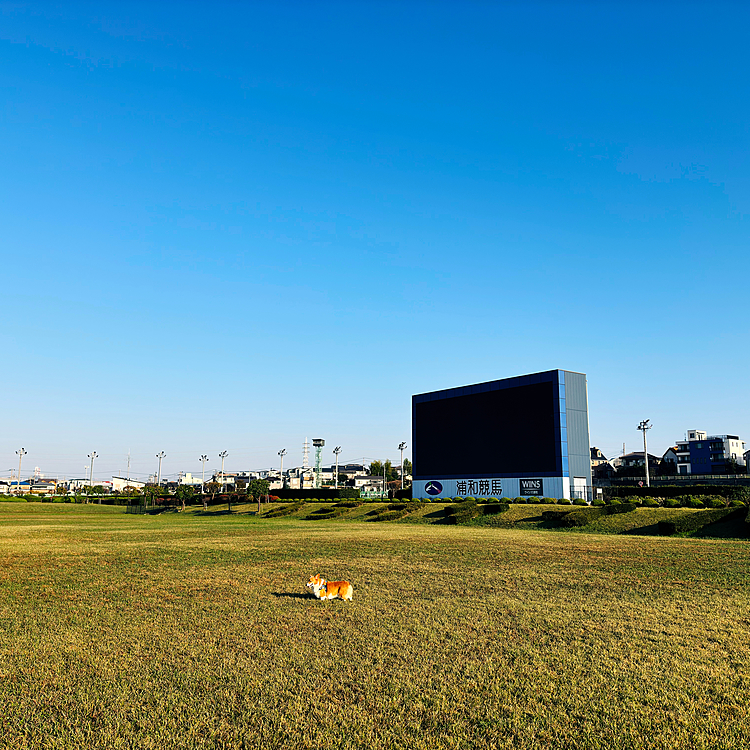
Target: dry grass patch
(196, 632)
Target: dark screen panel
(508, 431)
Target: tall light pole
(336, 450)
(21, 452)
(282, 453)
(204, 458)
(160, 455)
(92, 456)
(644, 426)
(401, 447)
(222, 456)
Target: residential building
(709, 454)
(121, 483)
(635, 459)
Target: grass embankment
(195, 632)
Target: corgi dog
(323, 589)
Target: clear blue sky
(235, 225)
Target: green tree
(212, 488)
(257, 489)
(184, 493)
(152, 492)
(407, 467)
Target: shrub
(581, 516)
(519, 500)
(533, 500)
(497, 507)
(493, 500)
(714, 501)
(348, 504)
(580, 501)
(671, 502)
(285, 510)
(692, 502)
(597, 502)
(549, 500)
(563, 501)
(691, 522)
(650, 502)
(740, 495)
(393, 512)
(462, 512)
(620, 508)
(388, 515)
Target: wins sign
(531, 487)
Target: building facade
(709, 454)
(527, 435)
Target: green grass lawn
(195, 631)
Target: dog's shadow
(289, 595)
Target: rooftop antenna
(318, 444)
(306, 454)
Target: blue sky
(230, 226)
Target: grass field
(193, 631)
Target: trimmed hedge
(393, 512)
(691, 522)
(326, 493)
(582, 516)
(674, 490)
(286, 510)
(462, 512)
(489, 509)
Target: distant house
(709, 454)
(119, 484)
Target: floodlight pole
(336, 451)
(401, 447)
(21, 453)
(160, 455)
(644, 426)
(92, 456)
(222, 456)
(282, 453)
(204, 458)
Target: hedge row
(695, 521)
(463, 512)
(285, 510)
(333, 511)
(393, 511)
(675, 490)
(327, 493)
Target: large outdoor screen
(508, 431)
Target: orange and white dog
(330, 589)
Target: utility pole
(222, 456)
(644, 426)
(282, 453)
(336, 450)
(385, 494)
(128, 465)
(21, 452)
(401, 447)
(160, 455)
